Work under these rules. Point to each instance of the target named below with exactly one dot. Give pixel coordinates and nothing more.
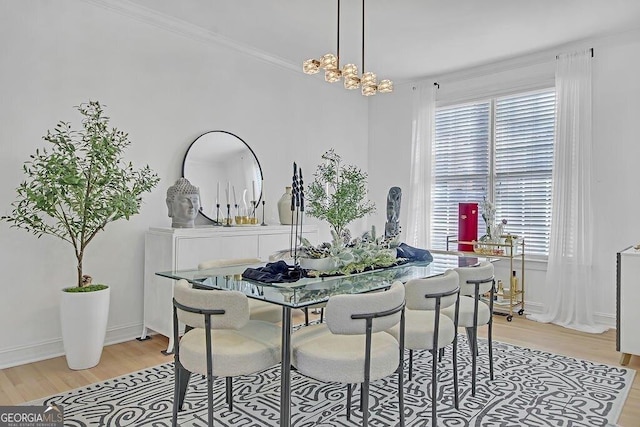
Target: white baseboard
(54, 348)
(604, 319)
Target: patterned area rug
(531, 388)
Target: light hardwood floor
(35, 380)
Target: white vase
(83, 317)
(318, 264)
(284, 207)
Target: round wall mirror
(219, 162)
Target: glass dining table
(309, 291)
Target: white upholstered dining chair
(220, 341)
(427, 329)
(353, 347)
(259, 310)
(475, 281)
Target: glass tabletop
(312, 290)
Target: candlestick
(253, 188)
(245, 207)
(254, 215)
(263, 223)
(228, 220)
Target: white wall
(616, 109)
(165, 88)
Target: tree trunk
(80, 271)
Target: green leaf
(80, 183)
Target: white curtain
(419, 197)
(570, 289)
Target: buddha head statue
(183, 202)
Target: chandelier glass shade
(369, 90)
(329, 62)
(385, 86)
(352, 82)
(332, 75)
(349, 73)
(350, 70)
(311, 66)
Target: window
(502, 149)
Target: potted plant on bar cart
(72, 191)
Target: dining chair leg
(410, 365)
(474, 361)
(401, 369)
(306, 316)
(322, 315)
(401, 388)
(176, 382)
(434, 384)
(471, 340)
(210, 397)
(229, 392)
(349, 391)
(365, 403)
(456, 397)
(434, 364)
(489, 336)
(184, 376)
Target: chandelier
(330, 63)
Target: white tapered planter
(83, 316)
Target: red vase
(467, 225)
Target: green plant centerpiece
(81, 184)
(338, 195)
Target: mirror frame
(223, 211)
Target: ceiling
(405, 39)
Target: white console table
(627, 312)
(168, 249)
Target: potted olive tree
(72, 191)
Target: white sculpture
(183, 202)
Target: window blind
(461, 165)
(524, 135)
(501, 149)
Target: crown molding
(533, 58)
(188, 30)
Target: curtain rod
(591, 49)
(436, 84)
